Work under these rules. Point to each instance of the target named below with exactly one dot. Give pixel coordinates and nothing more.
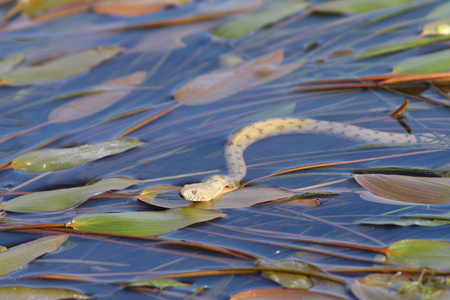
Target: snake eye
(194, 191)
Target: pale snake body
(244, 137)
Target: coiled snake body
(244, 137)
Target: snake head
(204, 191)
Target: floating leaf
(225, 82)
(168, 197)
(285, 294)
(245, 25)
(429, 63)
(424, 190)
(400, 287)
(290, 280)
(404, 45)
(405, 221)
(19, 256)
(24, 292)
(439, 11)
(420, 253)
(133, 7)
(87, 105)
(437, 27)
(50, 160)
(61, 68)
(143, 223)
(9, 63)
(65, 198)
(356, 6)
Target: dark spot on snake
(391, 134)
(280, 127)
(247, 136)
(299, 126)
(261, 130)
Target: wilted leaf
(438, 27)
(24, 293)
(400, 287)
(9, 63)
(429, 63)
(49, 160)
(19, 256)
(290, 280)
(168, 197)
(420, 253)
(65, 198)
(61, 68)
(245, 25)
(423, 190)
(285, 294)
(133, 7)
(143, 223)
(87, 105)
(356, 6)
(225, 82)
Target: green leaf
(62, 67)
(246, 24)
(143, 223)
(420, 253)
(437, 27)
(19, 256)
(429, 63)
(401, 287)
(423, 190)
(356, 6)
(158, 283)
(290, 280)
(400, 46)
(9, 63)
(64, 198)
(24, 292)
(50, 160)
(442, 10)
(405, 221)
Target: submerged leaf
(158, 283)
(87, 105)
(61, 68)
(65, 198)
(420, 253)
(225, 82)
(405, 221)
(143, 223)
(245, 25)
(429, 63)
(356, 6)
(424, 190)
(24, 292)
(19, 256)
(50, 160)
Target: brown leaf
(128, 8)
(285, 294)
(225, 82)
(91, 104)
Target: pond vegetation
(110, 107)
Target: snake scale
(244, 137)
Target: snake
(244, 137)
